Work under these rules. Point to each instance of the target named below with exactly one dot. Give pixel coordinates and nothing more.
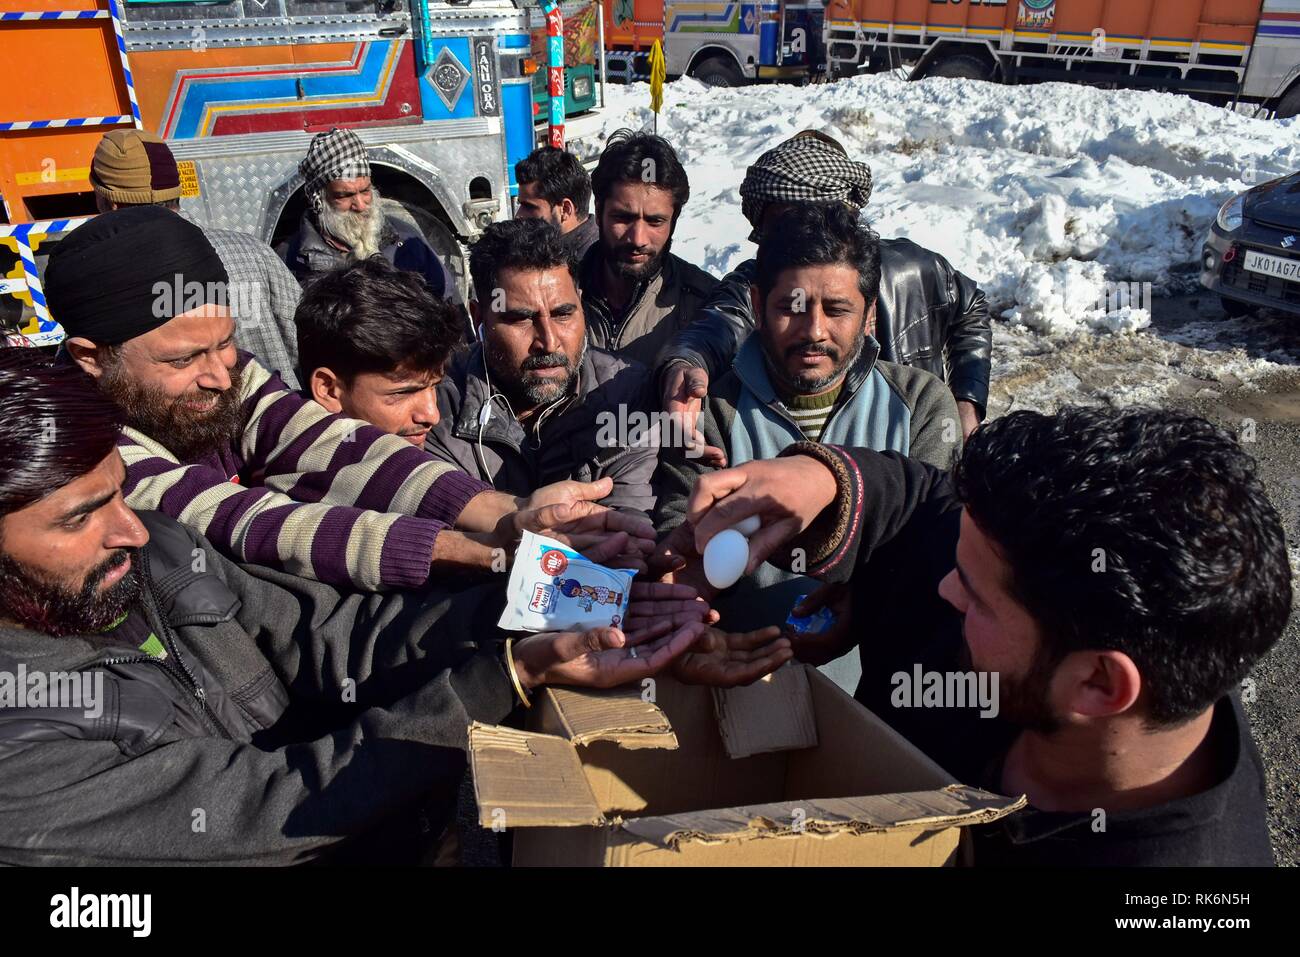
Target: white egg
(725, 558)
(748, 526)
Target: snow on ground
(1053, 197)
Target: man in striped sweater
(220, 444)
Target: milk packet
(553, 588)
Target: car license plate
(1273, 266)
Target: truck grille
(1281, 290)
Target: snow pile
(1055, 197)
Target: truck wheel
(961, 66)
(439, 238)
(718, 71)
(1290, 104)
(1235, 308)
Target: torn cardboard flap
(620, 715)
(527, 779)
(774, 713)
(953, 806)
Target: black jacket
(286, 721)
(929, 316)
(893, 535)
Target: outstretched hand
(725, 659)
(655, 605)
(599, 657)
(568, 512)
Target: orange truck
(1246, 50)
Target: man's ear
(1099, 684)
(326, 388)
(871, 319)
(756, 303)
(87, 355)
(568, 211)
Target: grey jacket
(307, 254)
(579, 438)
(288, 721)
(660, 308)
(882, 406)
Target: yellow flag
(658, 72)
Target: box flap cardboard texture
(648, 778)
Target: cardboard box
(613, 779)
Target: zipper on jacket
(181, 672)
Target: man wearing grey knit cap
(346, 219)
(928, 314)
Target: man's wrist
(484, 512)
(827, 531)
(522, 659)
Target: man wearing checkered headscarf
(810, 167)
(346, 221)
(338, 154)
(927, 314)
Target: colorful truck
(717, 42)
(1246, 50)
(440, 93)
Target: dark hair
(55, 426)
(558, 175)
(1196, 586)
(819, 235)
(629, 157)
(370, 316)
(517, 244)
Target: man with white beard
(345, 219)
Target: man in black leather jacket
(928, 315)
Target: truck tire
(718, 71)
(440, 240)
(963, 66)
(1289, 105)
(1235, 308)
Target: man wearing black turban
(221, 444)
(145, 303)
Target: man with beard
(533, 403)
(928, 315)
(553, 186)
(636, 294)
(809, 371)
(345, 219)
(135, 168)
(244, 719)
(1119, 572)
(269, 476)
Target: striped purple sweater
(306, 491)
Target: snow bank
(1053, 197)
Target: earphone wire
(485, 413)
